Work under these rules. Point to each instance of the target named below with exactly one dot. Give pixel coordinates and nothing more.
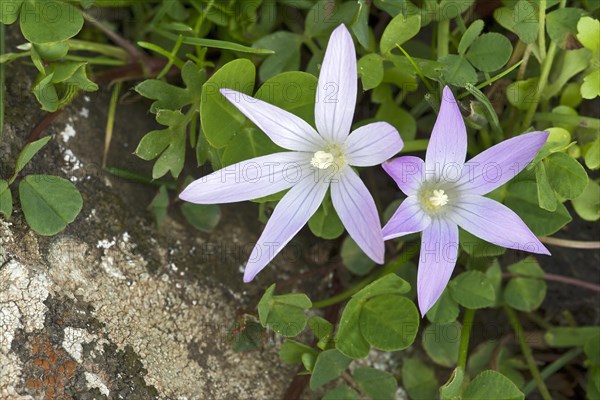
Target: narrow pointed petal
(372, 144)
(336, 90)
(500, 163)
(447, 149)
(290, 215)
(408, 218)
(495, 223)
(356, 209)
(439, 250)
(408, 172)
(284, 128)
(250, 179)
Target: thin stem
(562, 279)
(546, 66)
(553, 367)
(417, 70)
(492, 79)
(110, 122)
(578, 120)
(465, 334)
(1, 82)
(571, 244)
(443, 35)
(173, 57)
(541, 29)
(105, 49)
(526, 350)
(139, 178)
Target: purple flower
(444, 193)
(318, 161)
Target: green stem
(415, 145)
(311, 45)
(465, 334)
(1, 82)
(443, 37)
(552, 368)
(110, 121)
(578, 120)
(391, 267)
(492, 79)
(418, 71)
(541, 29)
(546, 66)
(139, 178)
(105, 49)
(526, 350)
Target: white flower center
(322, 159)
(439, 198)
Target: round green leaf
(284, 314)
(490, 52)
(445, 310)
(525, 294)
(286, 46)
(389, 322)
(344, 392)
(561, 25)
(203, 217)
(375, 383)
(292, 91)
(470, 35)
(325, 223)
(9, 11)
(354, 258)
(472, 289)
(399, 30)
(492, 385)
(587, 205)
(330, 364)
(566, 175)
(370, 70)
(49, 21)
(49, 203)
(419, 380)
(441, 343)
(457, 71)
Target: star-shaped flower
(318, 161)
(444, 193)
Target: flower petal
(336, 90)
(284, 128)
(408, 172)
(495, 223)
(439, 250)
(500, 163)
(250, 179)
(408, 218)
(448, 143)
(372, 144)
(289, 216)
(356, 208)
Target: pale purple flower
(444, 193)
(318, 161)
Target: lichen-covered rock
(112, 307)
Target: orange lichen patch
(52, 367)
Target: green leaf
(561, 25)
(392, 7)
(574, 62)
(284, 314)
(291, 351)
(525, 294)
(30, 150)
(457, 71)
(389, 322)
(330, 364)
(588, 33)
(6, 203)
(472, 289)
(325, 16)
(522, 19)
(445, 310)
(566, 336)
(494, 275)
(592, 349)
(249, 338)
(325, 223)
(370, 70)
(476, 247)
(590, 88)
(472, 32)
(441, 343)
(401, 119)
(349, 338)
(9, 12)
(167, 96)
(248, 143)
(49, 203)
(587, 205)
(220, 119)
(520, 94)
(159, 204)
(375, 383)
(344, 392)
(451, 390)
(52, 51)
(46, 94)
(527, 267)
(167, 144)
(49, 21)
(360, 26)
(322, 329)
(592, 155)
(354, 258)
(492, 385)
(286, 46)
(203, 217)
(418, 380)
(400, 29)
(490, 52)
(522, 199)
(566, 175)
(546, 197)
(293, 91)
